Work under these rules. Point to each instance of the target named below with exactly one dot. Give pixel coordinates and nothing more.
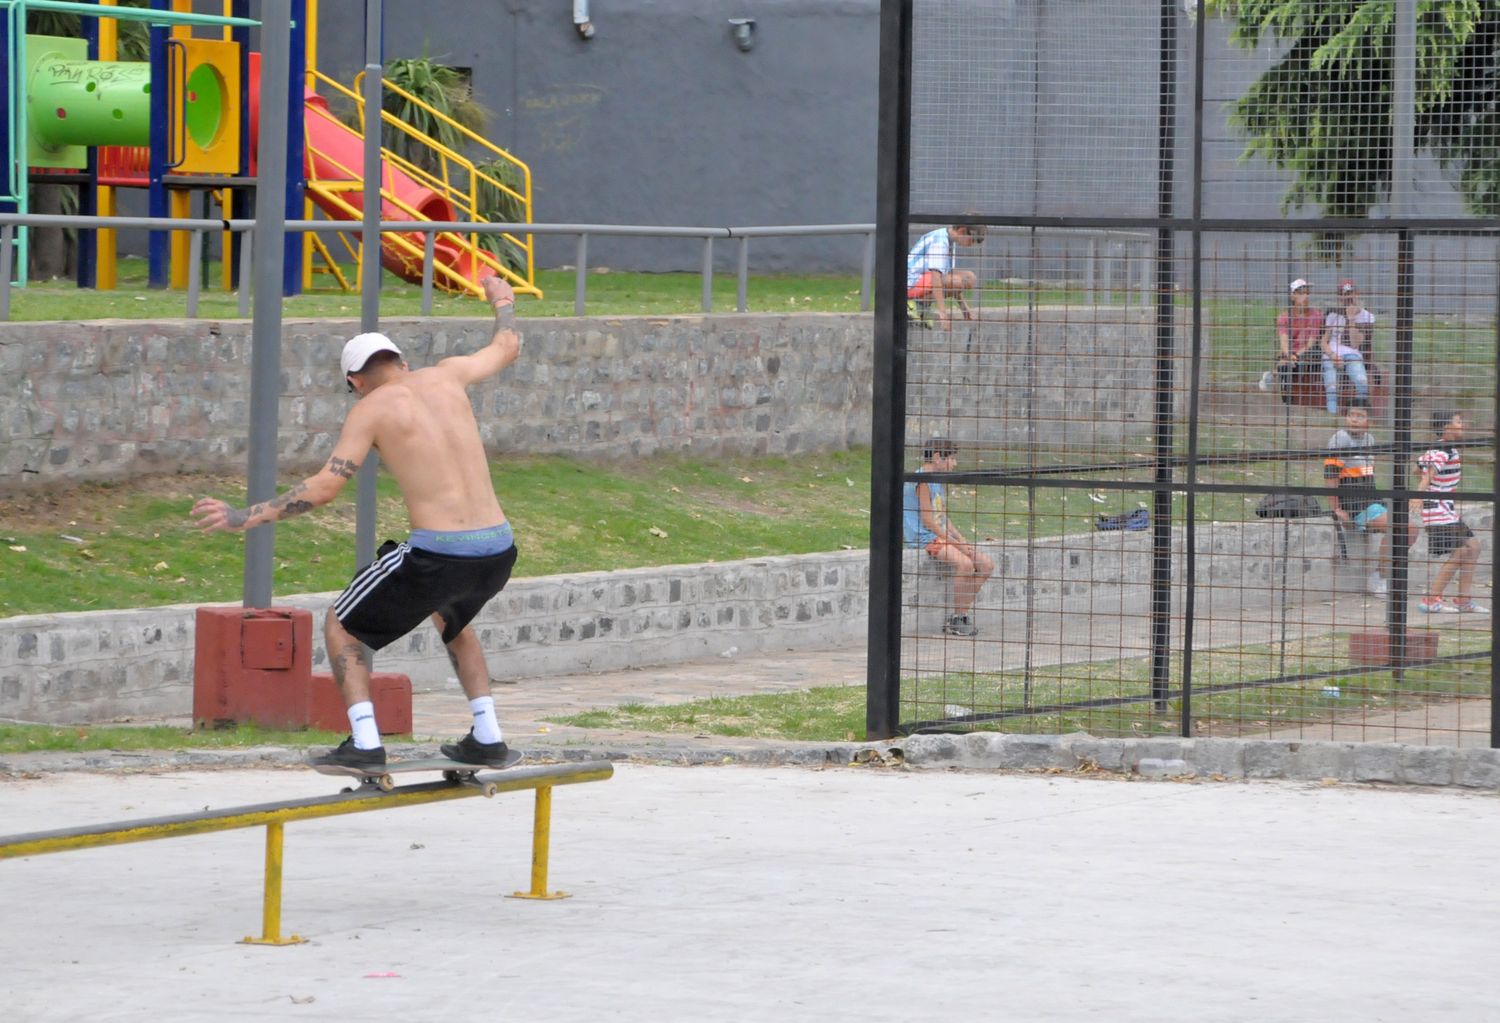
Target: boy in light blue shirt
(925, 524)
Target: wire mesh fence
(1190, 372)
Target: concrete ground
(734, 893)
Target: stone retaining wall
(88, 401)
(102, 665)
(1239, 565)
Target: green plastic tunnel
(89, 102)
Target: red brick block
(251, 665)
(1374, 647)
(389, 691)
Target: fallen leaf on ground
(657, 532)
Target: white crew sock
(486, 725)
(362, 725)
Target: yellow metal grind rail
(273, 816)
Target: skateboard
(382, 777)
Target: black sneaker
(959, 625)
(470, 750)
(346, 754)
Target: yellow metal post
(105, 252)
(541, 836)
(270, 910)
(180, 207)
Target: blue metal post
(7, 168)
(296, 145)
(159, 246)
(242, 200)
(88, 195)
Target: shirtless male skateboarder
(460, 552)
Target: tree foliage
(1323, 111)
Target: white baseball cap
(358, 349)
(1298, 283)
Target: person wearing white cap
(461, 549)
(1297, 329)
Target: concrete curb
(260, 757)
(1080, 753)
(1220, 759)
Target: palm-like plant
(501, 207)
(444, 89)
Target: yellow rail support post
(273, 817)
(541, 840)
(270, 910)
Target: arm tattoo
(505, 316)
(290, 503)
(343, 467)
(284, 505)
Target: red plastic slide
(335, 153)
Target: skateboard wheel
(386, 782)
(489, 789)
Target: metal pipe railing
(429, 229)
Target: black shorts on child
(405, 585)
(1446, 538)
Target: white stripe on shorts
(368, 579)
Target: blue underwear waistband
(465, 543)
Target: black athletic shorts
(404, 585)
(1445, 539)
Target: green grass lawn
(109, 546)
(608, 294)
(837, 713)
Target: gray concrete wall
(105, 665)
(661, 119)
(99, 400)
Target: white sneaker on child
(1376, 585)
(1265, 380)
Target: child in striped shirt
(1447, 533)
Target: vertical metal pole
(742, 275)
(1403, 108)
(429, 245)
(708, 275)
(541, 840)
(265, 346)
(158, 243)
(7, 251)
(1195, 371)
(1495, 523)
(1403, 142)
(888, 427)
(369, 287)
(581, 275)
(866, 271)
(1395, 608)
(245, 248)
(270, 911)
(195, 271)
(296, 142)
(1161, 496)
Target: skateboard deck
(383, 777)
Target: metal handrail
(430, 229)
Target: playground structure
(80, 116)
